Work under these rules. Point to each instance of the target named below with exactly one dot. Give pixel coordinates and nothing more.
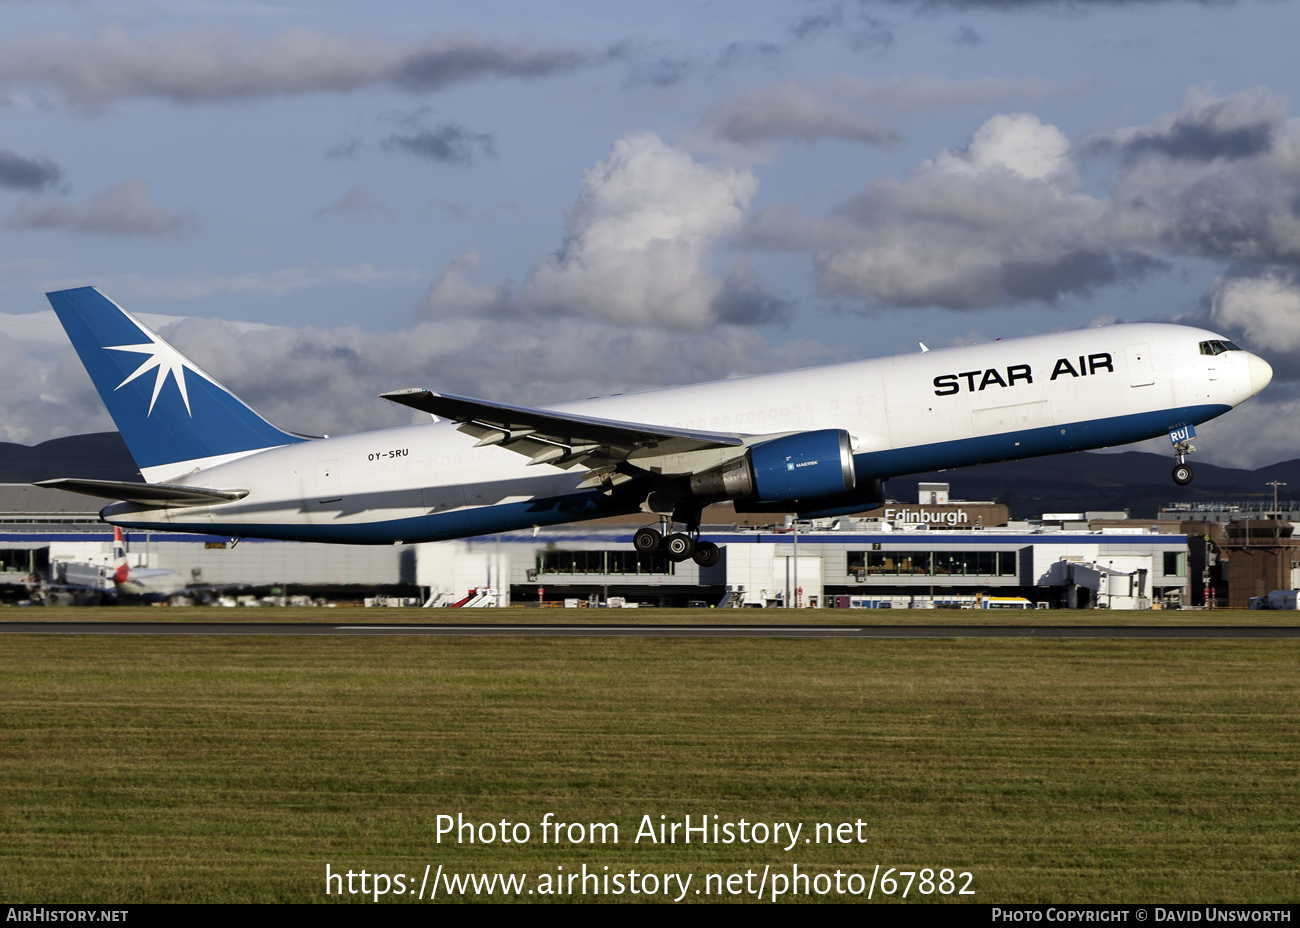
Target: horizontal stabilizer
(161, 495)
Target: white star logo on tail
(166, 359)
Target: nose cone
(1261, 372)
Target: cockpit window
(1217, 347)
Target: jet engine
(803, 466)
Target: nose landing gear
(1181, 438)
(1182, 470)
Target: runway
(656, 631)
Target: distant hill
(99, 456)
(1134, 480)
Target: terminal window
(24, 561)
(602, 562)
(933, 563)
(1175, 563)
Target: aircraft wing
(558, 438)
(163, 495)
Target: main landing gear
(1182, 470)
(677, 546)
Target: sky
(533, 203)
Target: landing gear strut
(1182, 470)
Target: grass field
(143, 769)
(854, 617)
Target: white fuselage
(906, 414)
(151, 583)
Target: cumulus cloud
(1265, 308)
(638, 251)
(31, 174)
(1197, 184)
(998, 222)
(1006, 220)
(122, 209)
(745, 300)
(640, 237)
(1020, 143)
(453, 292)
(210, 65)
(1204, 128)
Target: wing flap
(162, 495)
(560, 439)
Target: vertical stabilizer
(168, 410)
(120, 569)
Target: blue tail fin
(167, 409)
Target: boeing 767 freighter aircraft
(817, 442)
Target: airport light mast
(1275, 484)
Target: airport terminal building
(936, 552)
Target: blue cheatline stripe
(1056, 439)
(578, 507)
(215, 421)
(592, 504)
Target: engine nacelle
(803, 466)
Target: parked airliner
(152, 584)
(817, 441)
